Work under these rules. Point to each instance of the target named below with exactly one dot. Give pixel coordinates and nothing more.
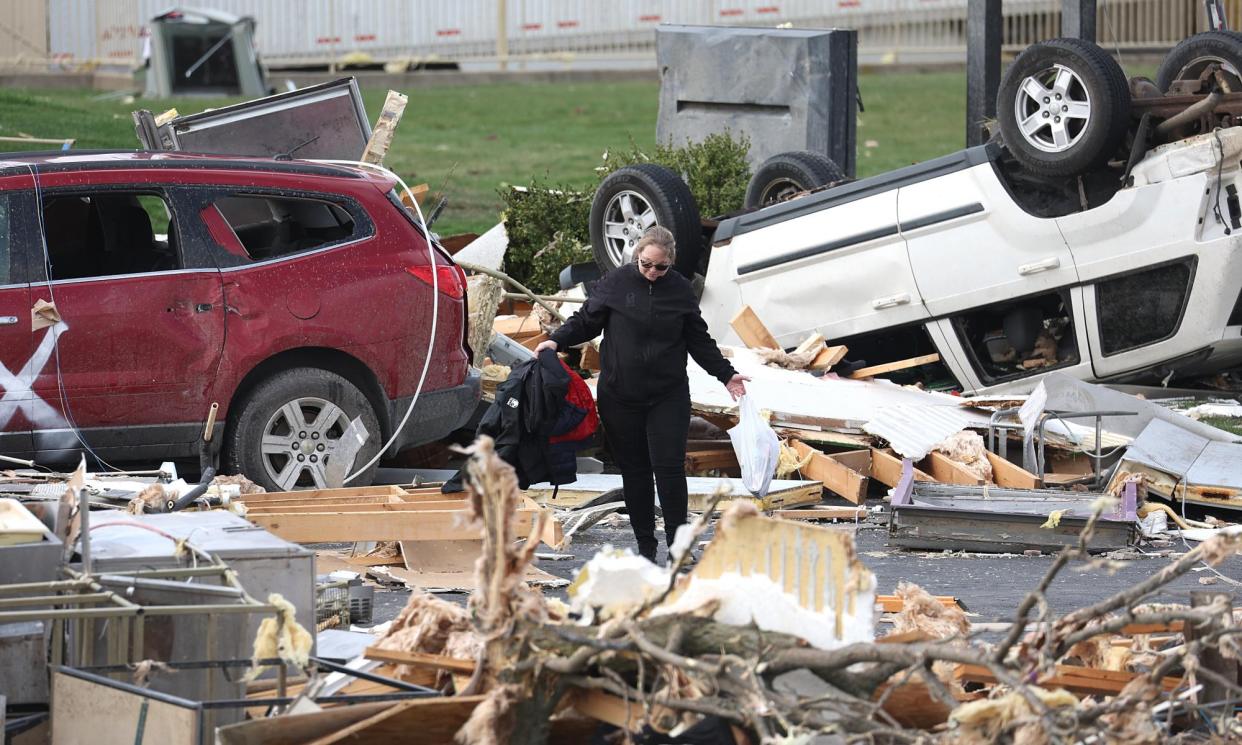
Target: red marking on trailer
(730, 11)
(849, 3)
(364, 37)
(531, 26)
(328, 40)
(448, 32)
(650, 18)
(567, 24)
(768, 9)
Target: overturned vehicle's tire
(632, 199)
(786, 175)
(1185, 69)
(1063, 107)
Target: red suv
(296, 295)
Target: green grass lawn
(469, 141)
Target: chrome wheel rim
(1053, 109)
(626, 217)
(298, 439)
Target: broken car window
(1142, 308)
(1019, 338)
(270, 226)
(100, 235)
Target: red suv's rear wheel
(288, 428)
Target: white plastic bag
(757, 447)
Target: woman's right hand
(548, 344)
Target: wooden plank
(873, 371)
(420, 659)
(711, 460)
(886, 468)
(1083, 681)
(751, 330)
(295, 729)
(814, 341)
(894, 603)
(948, 471)
(821, 436)
(517, 327)
(1010, 475)
(836, 476)
(336, 527)
(614, 710)
(828, 357)
(912, 704)
(590, 358)
(308, 507)
(385, 128)
(436, 720)
(530, 342)
(859, 460)
(822, 513)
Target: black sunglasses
(652, 265)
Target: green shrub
(548, 228)
(715, 169)
(549, 224)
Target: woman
(650, 320)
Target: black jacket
(531, 407)
(649, 327)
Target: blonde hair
(657, 236)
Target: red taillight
(452, 280)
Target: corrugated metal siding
(23, 30)
(319, 30)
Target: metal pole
(984, 32)
(502, 34)
(84, 521)
(1078, 19)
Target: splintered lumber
(338, 526)
(385, 128)
(419, 659)
(590, 358)
(836, 476)
(948, 471)
(781, 493)
(614, 710)
(886, 468)
(873, 371)
(821, 436)
(751, 330)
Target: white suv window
(1142, 308)
(1019, 338)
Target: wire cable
(60, 378)
(435, 308)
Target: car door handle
(8, 320)
(892, 301)
(1042, 265)
(202, 307)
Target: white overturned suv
(1098, 234)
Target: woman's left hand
(737, 386)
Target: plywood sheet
(87, 712)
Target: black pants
(647, 439)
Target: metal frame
(98, 674)
(998, 440)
